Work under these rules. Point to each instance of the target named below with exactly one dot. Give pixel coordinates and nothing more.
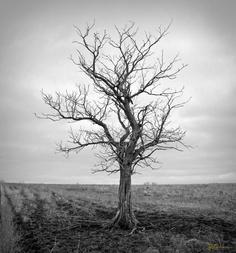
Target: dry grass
(218, 200)
(171, 208)
(9, 238)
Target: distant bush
(148, 183)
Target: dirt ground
(57, 224)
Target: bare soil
(54, 223)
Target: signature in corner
(212, 246)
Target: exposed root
(122, 222)
(131, 231)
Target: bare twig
(54, 246)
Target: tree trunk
(125, 217)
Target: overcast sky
(35, 43)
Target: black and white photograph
(117, 129)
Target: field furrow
(54, 218)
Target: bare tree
(130, 116)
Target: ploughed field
(173, 218)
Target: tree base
(123, 221)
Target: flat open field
(173, 218)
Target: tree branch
(128, 112)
